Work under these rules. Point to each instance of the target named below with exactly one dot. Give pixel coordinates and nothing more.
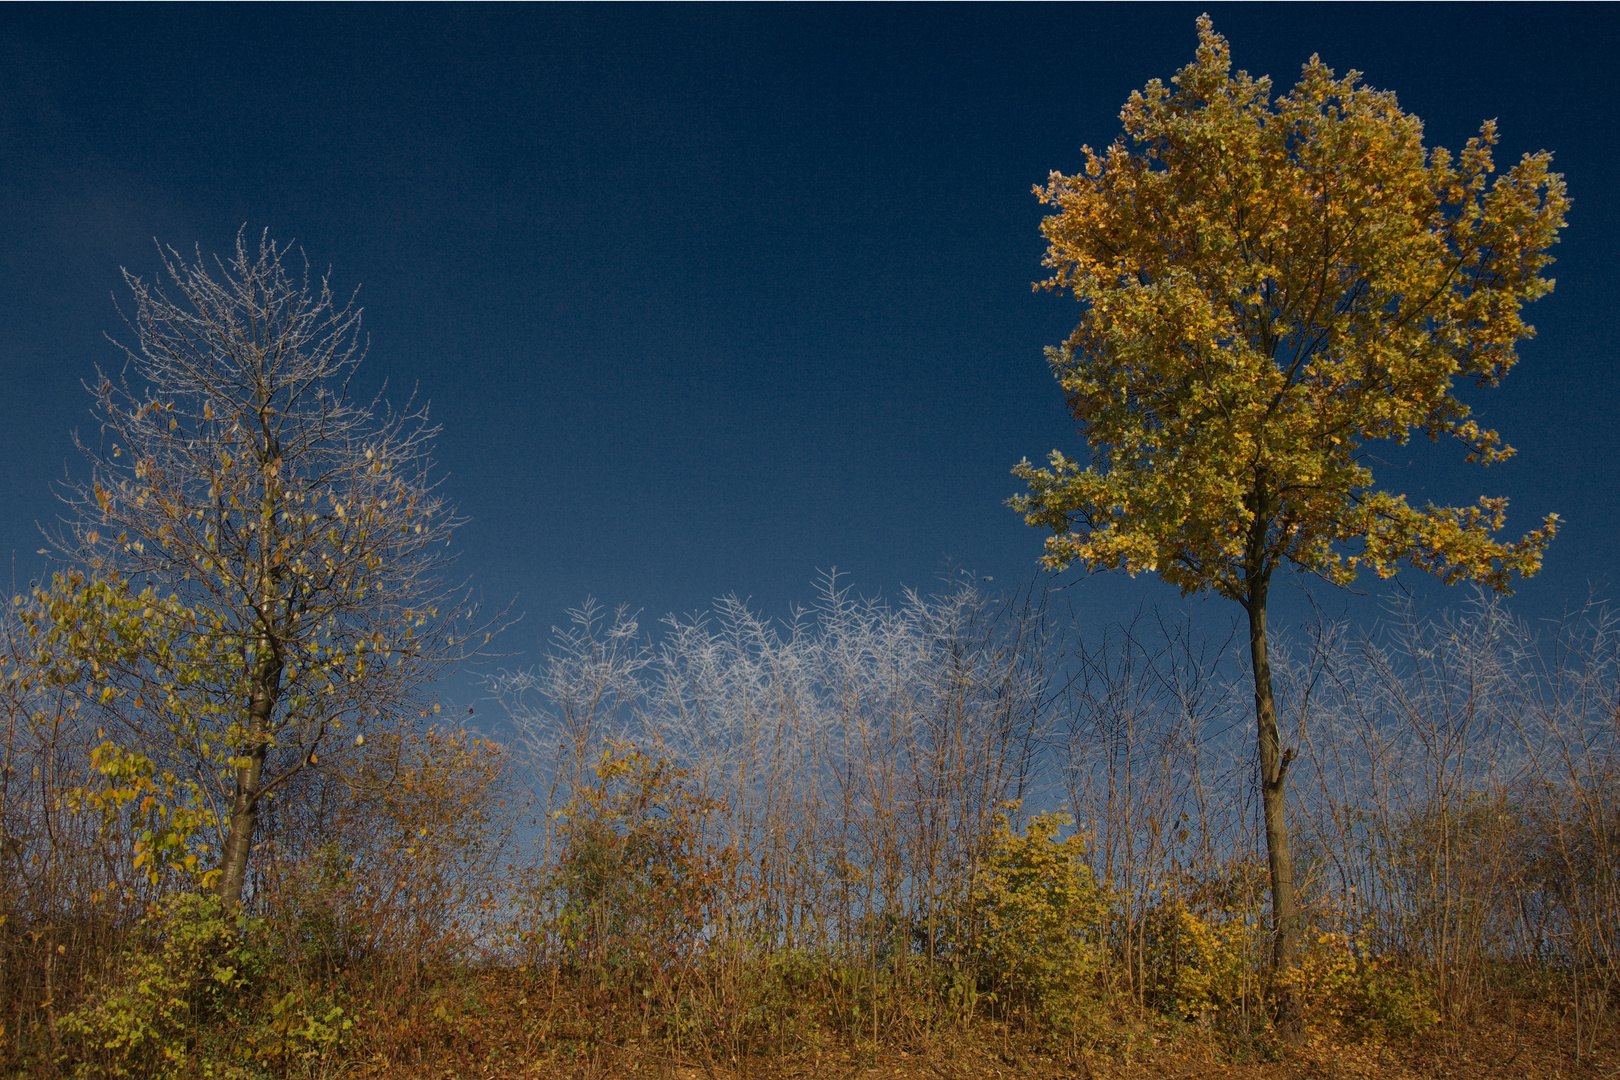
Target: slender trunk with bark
(266, 686)
(1273, 778)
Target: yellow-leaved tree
(1269, 284)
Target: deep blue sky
(708, 298)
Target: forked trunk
(1273, 778)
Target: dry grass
(1518, 1039)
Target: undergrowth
(881, 833)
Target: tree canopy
(1269, 285)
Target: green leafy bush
(1199, 963)
(1040, 915)
(637, 879)
(189, 969)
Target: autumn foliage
(1269, 285)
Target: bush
(1199, 964)
(1040, 916)
(190, 969)
(1370, 996)
(636, 880)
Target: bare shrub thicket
(1153, 759)
(1460, 789)
(1454, 809)
(840, 773)
(1454, 805)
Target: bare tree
(281, 545)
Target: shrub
(190, 968)
(1370, 996)
(1199, 963)
(636, 880)
(1040, 916)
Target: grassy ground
(1516, 1040)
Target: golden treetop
(1268, 284)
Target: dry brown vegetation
(833, 847)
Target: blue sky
(710, 298)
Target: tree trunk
(1273, 776)
(266, 685)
